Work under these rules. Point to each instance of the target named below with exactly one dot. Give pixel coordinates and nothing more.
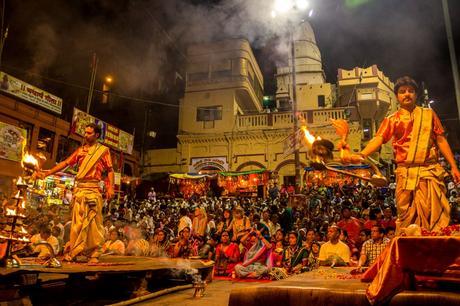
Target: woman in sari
(159, 247)
(226, 222)
(314, 254)
(183, 247)
(227, 255)
(278, 248)
(295, 257)
(256, 261)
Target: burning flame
(18, 195)
(28, 160)
(10, 212)
(13, 213)
(20, 181)
(308, 136)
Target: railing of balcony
(285, 119)
(253, 121)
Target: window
(29, 128)
(127, 169)
(321, 101)
(45, 141)
(209, 113)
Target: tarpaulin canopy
(243, 172)
(341, 167)
(188, 176)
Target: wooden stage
(112, 264)
(327, 286)
(113, 276)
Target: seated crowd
(247, 238)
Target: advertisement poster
(12, 140)
(110, 135)
(32, 94)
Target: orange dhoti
(426, 203)
(87, 231)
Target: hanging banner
(110, 135)
(12, 141)
(32, 94)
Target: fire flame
(10, 212)
(308, 136)
(18, 195)
(28, 160)
(20, 181)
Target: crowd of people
(347, 224)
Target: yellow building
(371, 92)
(222, 125)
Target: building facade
(223, 126)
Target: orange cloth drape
(407, 256)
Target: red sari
(225, 259)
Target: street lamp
(106, 86)
(283, 7)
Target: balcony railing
(285, 119)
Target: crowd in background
(246, 237)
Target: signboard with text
(198, 164)
(32, 94)
(110, 135)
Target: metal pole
(93, 79)
(294, 113)
(146, 110)
(453, 58)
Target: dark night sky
(142, 42)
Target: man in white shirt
(334, 252)
(45, 236)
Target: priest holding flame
(87, 232)
(417, 136)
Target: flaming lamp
(13, 234)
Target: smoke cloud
(135, 39)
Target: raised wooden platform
(327, 286)
(113, 278)
(112, 264)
